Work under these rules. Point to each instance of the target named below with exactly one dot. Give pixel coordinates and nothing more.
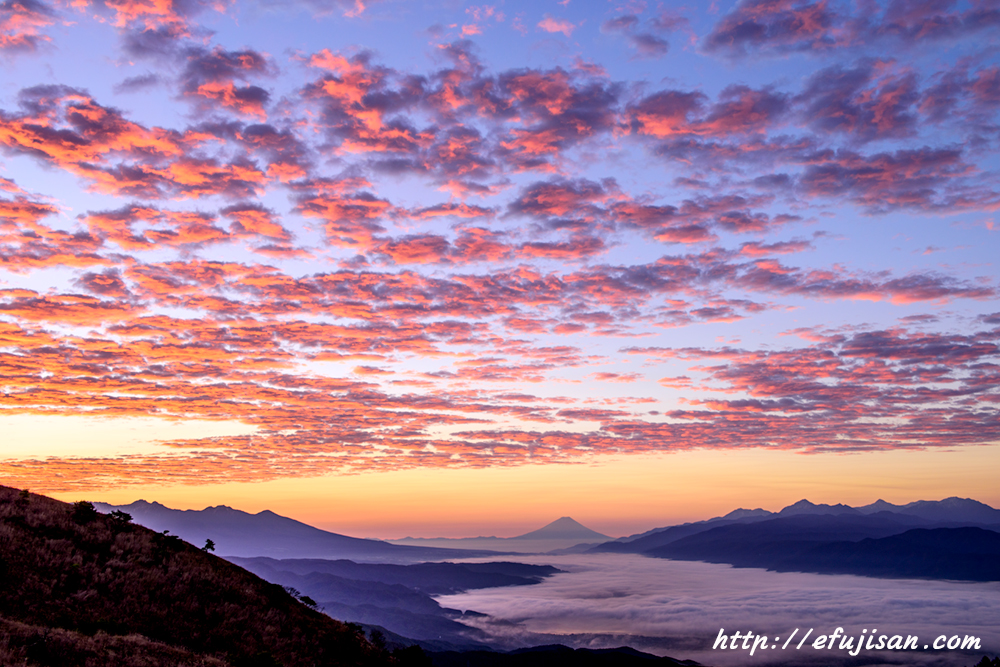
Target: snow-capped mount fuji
(562, 533)
(564, 528)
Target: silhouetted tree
(209, 546)
(84, 512)
(120, 521)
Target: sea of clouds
(677, 608)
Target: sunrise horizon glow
(460, 270)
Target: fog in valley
(677, 608)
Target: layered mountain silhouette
(239, 533)
(799, 537)
(954, 538)
(81, 588)
(562, 533)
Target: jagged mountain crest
(806, 507)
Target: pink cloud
(549, 24)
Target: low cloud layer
(677, 608)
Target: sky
(452, 269)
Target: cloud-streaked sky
(268, 242)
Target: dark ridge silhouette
(948, 513)
(797, 528)
(970, 554)
(81, 588)
(657, 538)
(961, 510)
(837, 544)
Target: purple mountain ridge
(239, 533)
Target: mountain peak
(136, 506)
(742, 513)
(563, 528)
(806, 507)
(879, 506)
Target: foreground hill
(239, 533)
(81, 588)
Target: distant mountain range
(800, 537)
(562, 533)
(239, 533)
(954, 538)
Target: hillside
(81, 588)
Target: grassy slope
(112, 587)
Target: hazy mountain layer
(238, 533)
(431, 578)
(397, 598)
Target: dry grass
(110, 588)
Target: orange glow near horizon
(464, 270)
(617, 496)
